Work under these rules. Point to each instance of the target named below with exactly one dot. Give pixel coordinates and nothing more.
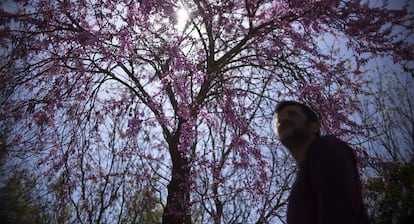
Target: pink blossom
(40, 118)
(133, 126)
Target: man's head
(295, 122)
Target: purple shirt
(327, 189)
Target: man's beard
(297, 137)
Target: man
(327, 188)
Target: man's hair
(311, 115)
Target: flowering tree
(106, 97)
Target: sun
(182, 17)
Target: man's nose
(282, 120)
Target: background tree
(389, 116)
(20, 204)
(108, 94)
(391, 195)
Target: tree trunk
(177, 210)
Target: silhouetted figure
(327, 189)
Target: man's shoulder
(330, 140)
(330, 151)
(331, 145)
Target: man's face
(291, 124)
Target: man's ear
(315, 127)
